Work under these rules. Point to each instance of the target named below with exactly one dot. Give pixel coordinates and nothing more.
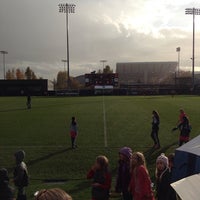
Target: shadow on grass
(14, 109)
(80, 186)
(46, 157)
(151, 154)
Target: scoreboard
(101, 79)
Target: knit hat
(162, 158)
(20, 155)
(126, 151)
(4, 174)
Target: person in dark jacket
(172, 193)
(101, 179)
(6, 191)
(124, 173)
(73, 132)
(155, 129)
(20, 175)
(28, 102)
(185, 128)
(163, 178)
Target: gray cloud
(33, 32)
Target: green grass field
(43, 132)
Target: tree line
(19, 74)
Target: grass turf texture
(43, 132)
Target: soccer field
(43, 133)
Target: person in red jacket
(101, 179)
(140, 185)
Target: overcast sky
(34, 34)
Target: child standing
(185, 128)
(162, 178)
(124, 175)
(20, 175)
(155, 129)
(101, 179)
(73, 132)
(140, 185)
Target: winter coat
(184, 127)
(21, 175)
(100, 192)
(123, 177)
(6, 192)
(163, 186)
(140, 184)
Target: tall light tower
(103, 62)
(67, 8)
(4, 63)
(64, 61)
(193, 11)
(178, 49)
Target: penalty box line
(104, 124)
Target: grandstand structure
(145, 72)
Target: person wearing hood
(20, 175)
(163, 178)
(6, 191)
(124, 175)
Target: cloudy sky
(34, 34)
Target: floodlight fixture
(67, 8)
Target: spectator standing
(163, 178)
(6, 191)
(140, 185)
(101, 179)
(124, 175)
(21, 180)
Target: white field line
(104, 123)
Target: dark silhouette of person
(6, 191)
(28, 102)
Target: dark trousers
(73, 140)
(154, 136)
(21, 195)
(127, 196)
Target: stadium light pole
(193, 11)
(103, 62)
(4, 63)
(178, 49)
(64, 61)
(67, 8)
